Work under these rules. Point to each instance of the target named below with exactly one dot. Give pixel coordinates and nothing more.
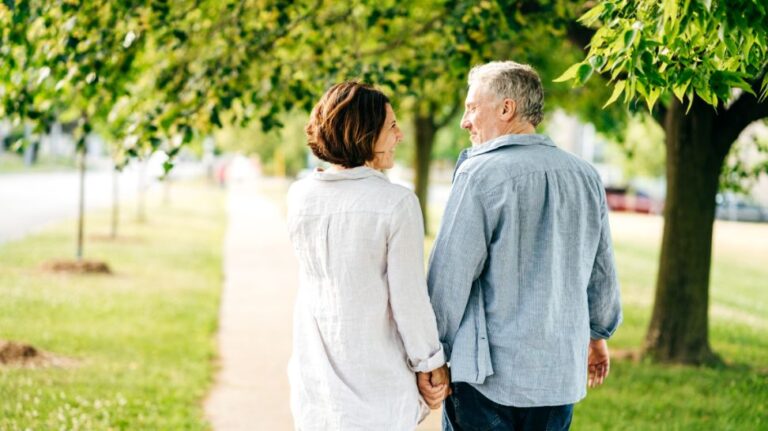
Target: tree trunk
(141, 214)
(167, 190)
(424, 125)
(82, 150)
(115, 201)
(678, 331)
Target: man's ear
(508, 109)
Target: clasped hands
(434, 386)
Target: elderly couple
(508, 328)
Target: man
(522, 275)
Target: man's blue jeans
(468, 410)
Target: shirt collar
(506, 140)
(347, 174)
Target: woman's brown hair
(345, 123)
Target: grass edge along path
(143, 339)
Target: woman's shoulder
(298, 187)
(395, 194)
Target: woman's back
(362, 308)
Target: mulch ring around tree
(629, 355)
(78, 267)
(15, 354)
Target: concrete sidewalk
(261, 277)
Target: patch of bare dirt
(631, 355)
(15, 354)
(79, 267)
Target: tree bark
(115, 201)
(82, 150)
(141, 213)
(424, 125)
(678, 330)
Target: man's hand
(599, 362)
(434, 386)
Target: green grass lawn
(644, 396)
(142, 338)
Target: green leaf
(584, 72)
(617, 89)
(597, 61)
(670, 10)
(690, 101)
(629, 91)
(653, 96)
(569, 74)
(679, 90)
(707, 95)
(641, 88)
(629, 37)
(167, 166)
(592, 15)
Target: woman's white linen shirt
(363, 323)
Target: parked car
(736, 208)
(630, 200)
(616, 198)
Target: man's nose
(465, 124)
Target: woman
(363, 323)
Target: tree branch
(427, 26)
(440, 123)
(744, 111)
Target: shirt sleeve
(408, 298)
(603, 289)
(457, 259)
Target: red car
(620, 199)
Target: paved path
(251, 391)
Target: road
(31, 201)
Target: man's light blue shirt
(522, 271)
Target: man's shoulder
(515, 161)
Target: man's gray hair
(510, 80)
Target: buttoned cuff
(435, 361)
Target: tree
(68, 62)
(180, 70)
(134, 69)
(700, 66)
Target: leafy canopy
(652, 48)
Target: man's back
(522, 270)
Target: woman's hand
(434, 386)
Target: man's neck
(519, 128)
(516, 128)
